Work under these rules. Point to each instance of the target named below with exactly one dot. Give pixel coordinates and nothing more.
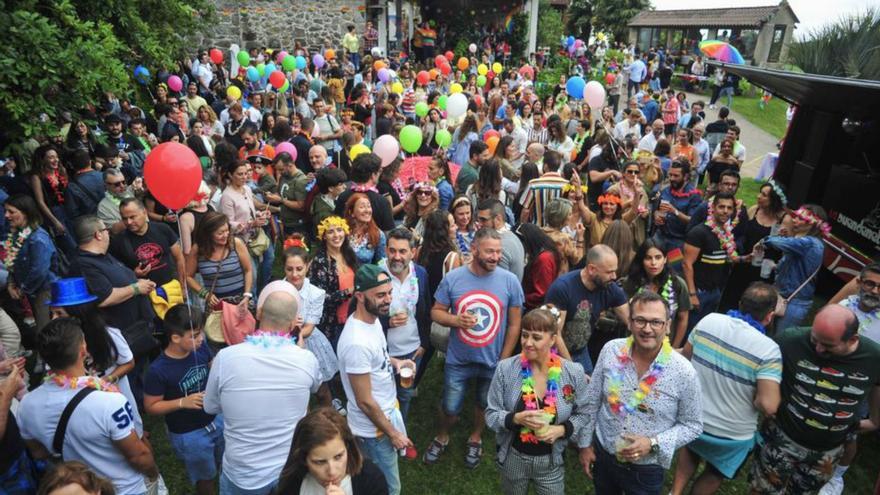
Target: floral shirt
(672, 412)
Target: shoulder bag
(61, 428)
(440, 333)
(782, 302)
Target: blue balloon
(301, 62)
(253, 74)
(569, 41)
(142, 74)
(575, 87)
(270, 68)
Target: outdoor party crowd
(269, 260)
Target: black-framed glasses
(640, 323)
(868, 284)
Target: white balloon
(594, 93)
(456, 105)
(473, 48)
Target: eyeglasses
(868, 285)
(639, 323)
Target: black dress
(743, 274)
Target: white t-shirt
(730, 357)
(262, 393)
(869, 323)
(124, 356)
(99, 420)
(648, 143)
(404, 339)
(362, 349)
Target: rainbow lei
(554, 372)
(13, 243)
(94, 382)
(724, 233)
(615, 379)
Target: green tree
(849, 47)
(61, 55)
(550, 25)
(578, 18)
(613, 15)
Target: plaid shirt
(371, 39)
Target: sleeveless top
(230, 280)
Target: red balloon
(478, 100)
(490, 134)
(449, 56)
(423, 77)
(439, 60)
(490, 75)
(445, 69)
(173, 173)
(277, 79)
(609, 78)
(216, 55)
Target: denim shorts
(456, 377)
(200, 450)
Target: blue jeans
(384, 456)
(582, 357)
(201, 450)
(261, 269)
(227, 487)
(794, 314)
(614, 478)
(355, 60)
(404, 395)
(709, 300)
(456, 378)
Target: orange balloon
(378, 64)
(492, 143)
(463, 63)
(329, 54)
(433, 73)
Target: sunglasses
(423, 193)
(632, 172)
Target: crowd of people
(587, 273)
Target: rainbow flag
(508, 20)
(674, 258)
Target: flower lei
(266, 339)
(401, 191)
(724, 233)
(554, 372)
(56, 178)
(684, 193)
(464, 241)
(363, 188)
(748, 319)
(666, 293)
(13, 243)
(809, 217)
(615, 379)
(94, 382)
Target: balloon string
(195, 352)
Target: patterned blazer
(506, 391)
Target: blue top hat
(70, 292)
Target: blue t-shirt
(173, 379)
(489, 297)
(581, 305)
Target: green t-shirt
(823, 395)
(467, 175)
(293, 188)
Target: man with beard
(368, 375)
(866, 306)
(253, 150)
(125, 143)
(830, 378)
(581, 296)
(708, 253)
(634, 433)
(678, 201)
(409, 326)
(193, 101)
(482, 306)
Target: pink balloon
(387, 149)
(594, 94)
(175, 83)
(286, 147)
(280, 57)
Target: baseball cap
(367, 277)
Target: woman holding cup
(537, 401)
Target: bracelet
(692, 293)
(134, 287)
(248, 295)
(203, 293)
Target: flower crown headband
(424, 186)
(296, 242)
(550, 309)
(609, 198)
(779, 192)
(809, 217)
(332, 222)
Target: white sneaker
(711, 107)
(833, 487)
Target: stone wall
(278, 23)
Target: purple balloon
(318, 60)
(384, 75)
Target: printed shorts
(783, 466)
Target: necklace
(13, 244)
(266, 339)
(65, 381)
(615, 379)
(55, 179)
(554, 372)
(748, 319)
(724, 233)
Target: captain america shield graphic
(486, 307)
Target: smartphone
(22, 354)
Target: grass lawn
(770, 119)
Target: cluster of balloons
(572, 44)
(441, 62)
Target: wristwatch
(655, 445)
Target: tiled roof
(724, 17)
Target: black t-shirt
(303, 146)
(386, 190)
(12, 446)
(597, 164)
(103, 273)
(716, 168)
(381, 208)
(712, 266)
(152, 249)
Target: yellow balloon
(233, 92)
(397, 88)
(455, 88)
(482, 69)
(497, 68)
(356, 150)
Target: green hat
(367, 277)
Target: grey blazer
(506, 391)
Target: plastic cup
(619, 445)
(407, 373)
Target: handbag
(440, 334)
(782, 302)
(259, 243)
(213, 325)
(140, 338)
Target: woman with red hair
(367, 241)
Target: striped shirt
(230, 280)
(730, 356)
(541, 191)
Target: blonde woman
(211, 125)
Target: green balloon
(421, 109)
(443, 138)
(284, 88)
(289, 63)
(411, 138)
(481, 81)
(261, 68)
(243, 58)
(463, 78)
(441, 102)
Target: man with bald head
(829, 376)
(649, 142)
(262, 387)
(580, 296)
(318, 157)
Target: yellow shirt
(351, 42)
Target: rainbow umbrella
(721, 51)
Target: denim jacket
(33, 270)
(687, 203)
(801, 257)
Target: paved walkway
(757, 142)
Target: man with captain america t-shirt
(482, 305)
